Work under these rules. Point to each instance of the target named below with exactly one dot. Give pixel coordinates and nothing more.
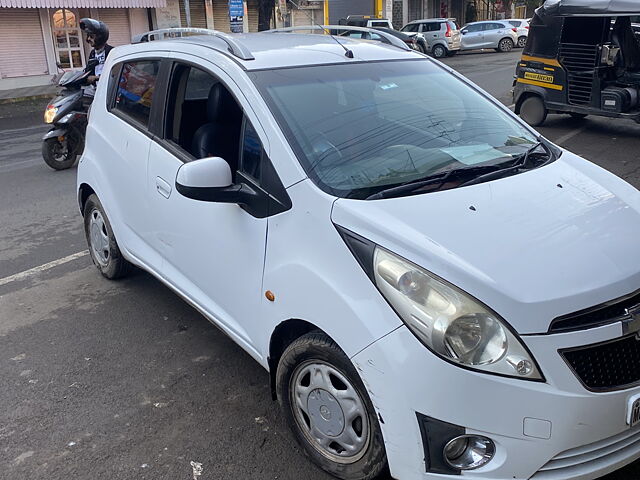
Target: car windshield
(360, 128)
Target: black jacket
(92, 56)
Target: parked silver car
(497, 34)
(523, 30)
(438, 36)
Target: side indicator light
(270, 296)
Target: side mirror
(463, 32)
(209, 180)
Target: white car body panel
(531, 250)
(516, 251)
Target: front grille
(606, 366)
(580, 62)
(595, 457)
(603, 314)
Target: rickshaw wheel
(533, 111)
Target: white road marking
(569, 136)
(41, 268)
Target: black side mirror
(463, 32)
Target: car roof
(279, 50)
(427, 20)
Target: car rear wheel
(439, 51)
(522, 42)
(103, 247)
(505, 45)
(533, 111)
(326, 405)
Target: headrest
(221, 104)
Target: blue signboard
(236, 8)
(236, 16)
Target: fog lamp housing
(468, 452)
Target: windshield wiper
(522, 162)
(439, 178)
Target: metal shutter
(342, 8)
(21, 44)
(221, 15)
(198, 14)
(117, 19)
(252, 13)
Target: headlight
(450, 322)
(49, 114)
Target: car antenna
(347, 53)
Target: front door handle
(163, 188)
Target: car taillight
(449, 32)
(514, 29)
(527, 27)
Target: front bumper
(543, 431)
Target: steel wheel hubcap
(99, 238)
(330, 412)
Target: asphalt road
(121, 380)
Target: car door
(430, 31)
(472, 36)
(213, 252)
(131, 103)
(493, 33)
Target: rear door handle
(163, 188)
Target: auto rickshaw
(582, 58)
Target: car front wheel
(439, 51)
(328, 409)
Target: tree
(265, 12)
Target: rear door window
(412, 27)
(135, 90)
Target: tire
(438, 51)
(57, 155)
(313, 369)
(505, 45)
(422, 48)
(103, 247)
(578, 116)
(522, 42)
(533, 111)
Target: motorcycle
(68, 117)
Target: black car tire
(112, 264)
(438, 51)
(505, 45)
(54, 155)
(316, 348)
(533, 111)
(422, 48)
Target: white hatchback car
(430, 283)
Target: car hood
(534, 246)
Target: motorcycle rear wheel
(59, 156)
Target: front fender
(55, 133)
(315, 277)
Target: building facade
(40, 38)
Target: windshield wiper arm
(438, 178)
(521, 163)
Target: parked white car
(497, 34)
(522, 25)
(431, 284)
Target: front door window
(67, 39)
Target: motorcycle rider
(97, 36)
